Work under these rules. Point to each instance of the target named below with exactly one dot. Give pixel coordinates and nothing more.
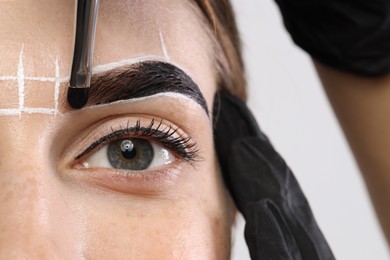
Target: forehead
(37, 42)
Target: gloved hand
(279, 222)
(352, 36)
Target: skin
(51, 207)
(362, 107)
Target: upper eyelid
(104, 139)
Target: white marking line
(116, 64)
(109, 66)
(164, 47)
(43, 79)
(50, 79)
(56, 86)
(27, 110)
(4, 78)
(10, 112)
(135, 100)
(21, 79)
(39, 110)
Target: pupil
(129, 154)
(128, 149)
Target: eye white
(99, 159)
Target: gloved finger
(232, 120)
(256, 173)
(269, 237)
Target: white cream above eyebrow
(133, 60)
(130, 61)
(133, 100)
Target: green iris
(130, 154)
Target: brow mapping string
(80, 77)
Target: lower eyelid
(145, 182)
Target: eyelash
(182, 144)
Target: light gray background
(288, 101)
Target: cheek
(194, 223)
(168, 234)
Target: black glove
(279, 222)
(352, 36)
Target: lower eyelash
(182, 144)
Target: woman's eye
(134, 154)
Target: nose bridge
(35, 220)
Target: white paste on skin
(21, 79)
(128, 101)
(110, 66)
(56, 87)
(8, 78)
(38, 110)
(164, 47)
(27, 110)
(133, 60)
(10, 112)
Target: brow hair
(143, 79)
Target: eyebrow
(142, 79)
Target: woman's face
(135, 178)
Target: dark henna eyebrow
(141, 80)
